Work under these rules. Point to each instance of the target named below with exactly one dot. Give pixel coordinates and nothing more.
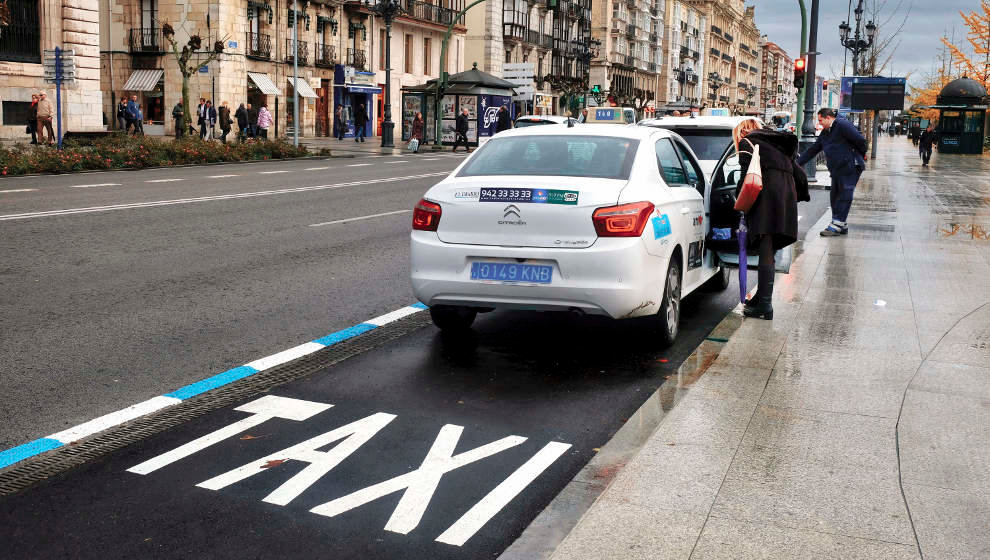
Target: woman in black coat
(772, 222)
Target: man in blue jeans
(845, 156)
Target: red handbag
(752, 183)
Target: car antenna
(570, 122)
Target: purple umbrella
(742, 257)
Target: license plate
(512, 272)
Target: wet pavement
(854, 425)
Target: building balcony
(652, 67)
(303, 48)
(685, 52)
(680, 76)
(146, 40)
(727, 57)
(631, 31)
(326, 56)
(716, 30)
(714, 51)
(723, 98)
(743, 66)
(258, 46)
(629, 60)
(696, 55)
(728, 37)
(358, 59)
(691, 78)
(655, 38)
(632, 4)
(741, 84)
(425, 11)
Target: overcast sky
(919, 45)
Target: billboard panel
(877, 93)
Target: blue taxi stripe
(342, 335)
(29, 449)
(210, 383)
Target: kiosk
(962, 121)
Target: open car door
(723, 228)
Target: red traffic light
(799, 64)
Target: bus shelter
(962, 122)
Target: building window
(508, 56)
(21, 40)
(149, 13)
(381, 49)
(409, 54)
(15, 112)
(427, 56)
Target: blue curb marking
(29, 449)
(210, 383)
(16, 454)
(342, 335)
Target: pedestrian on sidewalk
(225, 122)
(339, 126)
(252, 121)
(504, 122)
(925, 144)
(461, 131)
(242, 122)
(265, 121)
(46, 111)
(772, 221)
(132, 114)
(179, 115)
(32, 124)
(418, 129)
(122, 113)
(139, 122)
(210, 120)
(360, 120)
(845, 157)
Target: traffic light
(825, 85)
(799, 66)
(596, 89)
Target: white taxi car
(709, 137)
(596, 219)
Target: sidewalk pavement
(855, 424)
(371, 146)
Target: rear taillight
(624, 220)
(426, 216)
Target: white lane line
(114, 419)
(94, 185)
(274, 172)
(315, 168)
(17, 190)
(164, 180)
(359, 218)
(220, 176)
(90, 209)
(358, 164)
(398, 161)
(430, 159)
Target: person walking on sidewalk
(225, 122)
(122, 113)
(845, 157)
(252, 114)
(504, 122)
(32, 124)
(418, 129)
(925, 144)
(242, 123)
(772, 221)
(339, 126)
(360, 120)
(46, 111)
(461, 131)
(179, 115)
(265, 121)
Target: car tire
(452, 318)
(721, 280)
(669, 316)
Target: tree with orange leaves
(979, 39)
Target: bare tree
(182, 57)
(890, 18)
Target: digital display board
(877, 93)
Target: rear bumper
(615, 277)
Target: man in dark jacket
(179, 114)
(252, 121)
(845, 156)
(925, 144)
(360, 120)
(504, 121)
(132, 114)
(461, 131)
(241, 115)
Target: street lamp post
(807, 132)
(860, 42)
(387, 10)
(714, 82)
(590, 50)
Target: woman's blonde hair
(744, 127)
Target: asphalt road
(139, 301)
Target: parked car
(538, 120)
(611, 115)
(593, 219)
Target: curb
(186, 165)
(34, 448)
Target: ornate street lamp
(714, 82)
(858, 44)
(387, 10)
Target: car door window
(691, 169)
(670, 164)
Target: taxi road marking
(315, 168)
(360, 218)
(274, 172)
(220, 176)
(358, 164)
(417, 487)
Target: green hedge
(129, 152)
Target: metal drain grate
(23, 475)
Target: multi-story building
(339, 46)
(732, 38)
(631, 57)
(33, 28)
(747, 70)
(684, 45)
(552, 36)
(777, 91)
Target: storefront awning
(304, 89)
(363, 89)
(263, 82)
(143, 80)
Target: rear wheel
(452, 317)
(669, 316)
(720, 281)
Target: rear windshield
(522, 123)
(706, 143)
(605, 157)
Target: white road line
(315, 168)
(220, 176)
(359, 218)
(94, 185)
(358, 164)
(430, 159)
(17, 190)
(274, 172)
(90, 209)
(164, 180)
(398, 161)
(114, 419)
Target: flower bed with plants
(129, 152)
